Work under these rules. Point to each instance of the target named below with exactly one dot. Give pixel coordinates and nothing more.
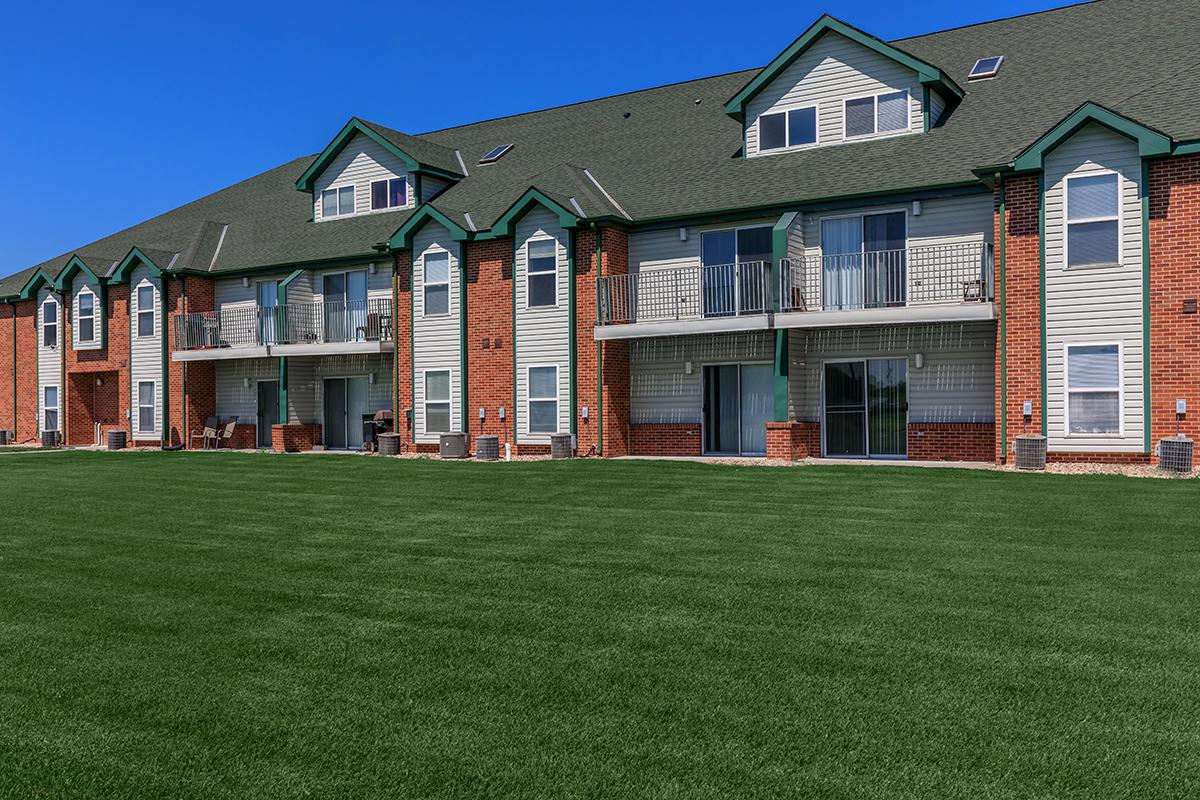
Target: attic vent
(985, 68)
(496, 154)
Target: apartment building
(910, 249)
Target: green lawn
(220, 625)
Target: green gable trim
(73, 267)
(129, 263)
(402, 239)
(927, 74)
(65, 278)
(1150, 142)
(36, 281)
(306, 181)
(1187, 148)
(532, 197)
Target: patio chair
(207, 435)
(226, 433)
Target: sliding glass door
(866, 408)
(345, 306)
(863, 261)
(735, 266)
(738, 401)
(345, 401)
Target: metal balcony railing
(295, 323)
(938, 274)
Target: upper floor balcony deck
(316, 328)
(921, 284)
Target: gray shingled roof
(672, 152)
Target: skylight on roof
(496, 154)
(985, 68)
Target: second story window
(50, 324)
(437, 284)
(87, 317)
(145, 311)
(337, 202)
(787, 129)
(1093, 220)
(391, 193)
(542, 273)
(881, 113)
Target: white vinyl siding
(1094, 304)
(542, 332)
(833, 70)
(436, 344)
(237, 387)
(145, 351)
(660, 388)
(362, 161)
(237, 384)
(49, 358)
(956, 384)
(80, 286)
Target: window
(145, 406)
(985, 68)
(1094, 389)
(543, 400)
(437, 401)
(881, 113)
(1093, 220)
(787, 129)
(391, 193)
(50, 324)
(145, 313)
(337, 202)
(437, 283)
(50, 408)
(542, 275)
(87, 317)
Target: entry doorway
(345, 406)
(866, 408)
(738, 401)
(268, 412)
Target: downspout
(1147, 407)
(13, 307)
(130, 322)
(183, 431)
(599, 348)
(514, 336)
(572, 344)
(1003, 319)
(64, 406)
(1042, 290)
(166, 376)
(395, 347)
(463, 367)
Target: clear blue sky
(118, 111)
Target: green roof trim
(129, 263)
(927, 74)
(74, 266)
(36, 280)
(532, 197)
(355, 126)
(402, 239)
(1150, 142)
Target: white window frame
(530, 399)
(50, 301)
(529, 272)
(1068, 222)
(426, 283)
(81, 316)
(337, 193)
(142, 406)
(426, 402)
(787, 129)
(1068, 391)
(137, 318)
(387, 182)
(876, 133)
(56, 408)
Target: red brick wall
(615, 403)
(1022, 310)
(402, 366)
(7, 335)
(1174, 279)
(294, 438)
(88, 404)
(27, 374)
(793, 440)
(489, 337)
(682, 439)
(189, 411)
(951, 441)
(1097, 458)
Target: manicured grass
(220, 625)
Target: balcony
(919, 284)
(318, 328)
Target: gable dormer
(839, 85)
(369, 169)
